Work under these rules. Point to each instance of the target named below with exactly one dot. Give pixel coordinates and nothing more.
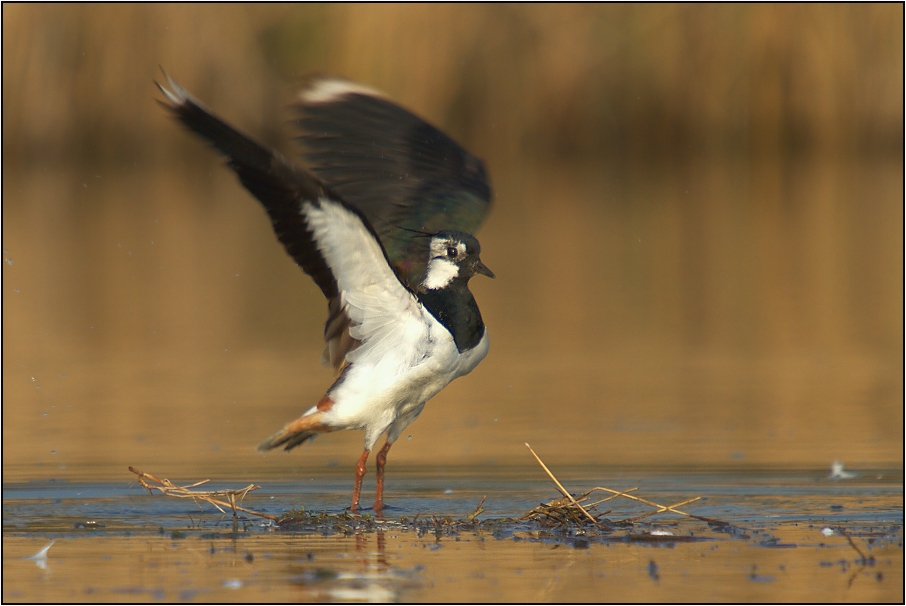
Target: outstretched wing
(406, 176)
(368, 305)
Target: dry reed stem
(167, 488)
(604, 500)
(557, 511)
(559, 485)
(662, 509)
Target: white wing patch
(385, 317)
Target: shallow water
(656, 331)
(115, 542)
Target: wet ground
(788, 536)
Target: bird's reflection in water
(361, 547)
(376, 580)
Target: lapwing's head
(453, 257)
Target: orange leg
(357, 487)
(381, 461)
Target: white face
(442, 267)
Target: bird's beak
(481, 268)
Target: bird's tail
(295, 433)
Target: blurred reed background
(697, 232)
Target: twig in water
(852, 544)
(478, 510)
(662, 509)
(167, 488)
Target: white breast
(376, 391)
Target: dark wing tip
(275, 182)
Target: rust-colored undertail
(295, 433)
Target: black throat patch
(455, 308)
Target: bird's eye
(452, 252)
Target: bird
(380, 213)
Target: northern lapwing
(380, 217)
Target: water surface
(786, 541)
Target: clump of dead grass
(581, 510)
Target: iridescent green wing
(407, 177)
